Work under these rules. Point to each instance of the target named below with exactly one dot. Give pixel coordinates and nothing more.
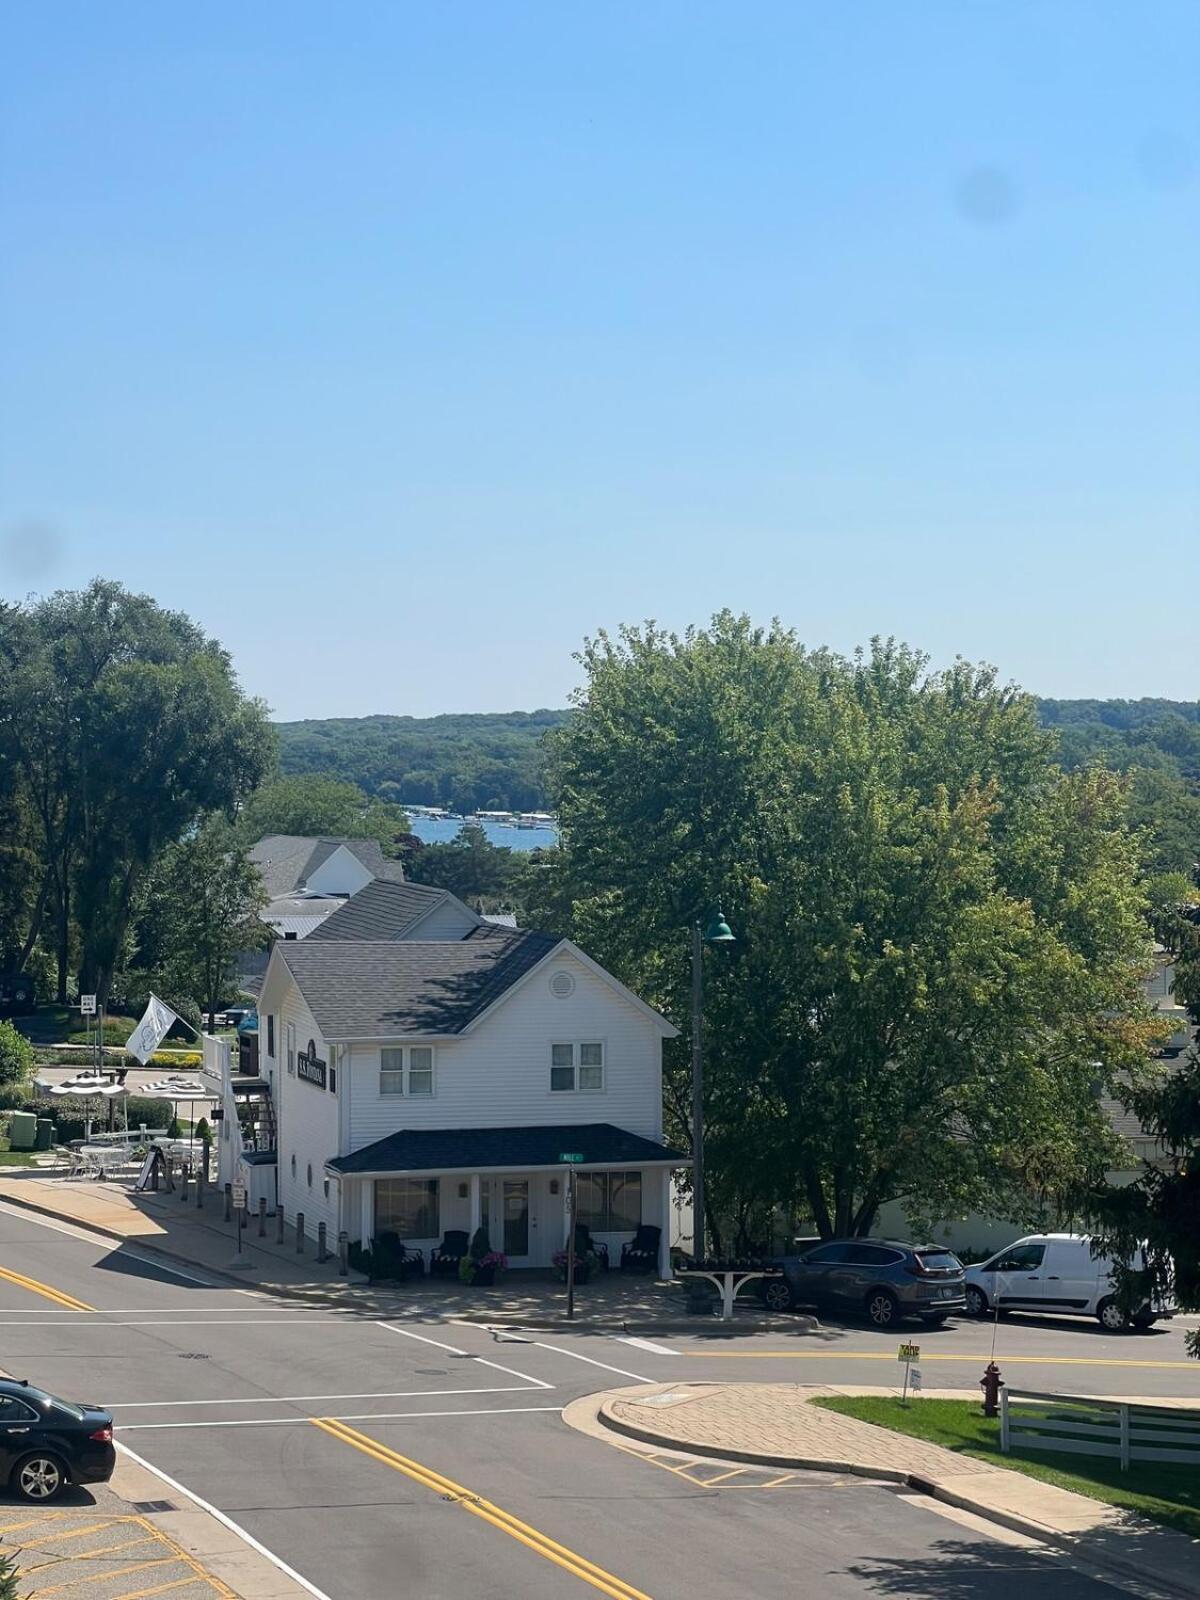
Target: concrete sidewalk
(775, 1424)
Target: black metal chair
(443, 1262)
(392, 1258)
(641, 1252)
(585, 1245)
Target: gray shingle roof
(473, 1149)
(380, 989)
(380, 910)
(285, 860)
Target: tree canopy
(940, 934)
(316, 804)
(121, 725)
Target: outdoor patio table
(98, 1158)
(728, 1282)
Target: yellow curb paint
(44, 1289)
(121, 1572)
(540, 1543)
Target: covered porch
(515, 1184)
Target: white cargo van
(1054, 1272)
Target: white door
(1069, 1276)
(1018, 1277)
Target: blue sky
(406, 344)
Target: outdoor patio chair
(585, 1245)
(443, 1262)
(67, 1161)
(392, 1258)
(641, 1253)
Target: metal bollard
(262, 1216)
(199, 1188)
(299, 1233)
(343, 1254)
(228, 1201)
(278, 1223)
(322, 1253)
(183, 1183)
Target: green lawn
(1167, 1493)
(15, 1158)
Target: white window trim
(404, 1072)
(575, 1047)
(291, 1047)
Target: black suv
(878, 1279)
(47, 1443)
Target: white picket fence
(1076, 1425)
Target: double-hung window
(271, 1036)
(609, 1202)
(291, 1048)
(406, 1069)
(577, 1068)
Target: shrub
(14, 1095)
(8, 1578)
(480, 1244)
(16, 1055)
(203, 1131)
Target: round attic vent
(562, 985)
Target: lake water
(431, 830)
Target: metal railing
(1076, 1425)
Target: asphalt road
(430, 1460)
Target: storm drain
(146, 1507)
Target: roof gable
(383, 909)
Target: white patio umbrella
(177, 1089)
(88, 1086)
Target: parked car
(47, 1443)
(879, 1279)
(1055, 1272)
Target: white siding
(499, 1074)
(450, 920)
(340, 873)
(308, 1119)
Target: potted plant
(583, 1265)
(481, 1264)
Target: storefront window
(407, 1206)
(609, 1202)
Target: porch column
(664, 1238)
(476, 1204)
(366, 1214)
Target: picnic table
(728, 1281)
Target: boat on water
(536, 819)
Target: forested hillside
(495, 761)
(465, 762)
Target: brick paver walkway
(775, 1420)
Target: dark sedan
(47, 1443)
(879, 1279)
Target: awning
(437, 1150)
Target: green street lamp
(718, 931)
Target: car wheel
(977, 1305)
(1112, 1317)
(883, 1309)
(777, 1295)
(39, 1478)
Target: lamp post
(717, 932)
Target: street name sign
(572, 1156)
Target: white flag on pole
(151, 1030)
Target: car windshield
(938, 1258)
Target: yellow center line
(540, 1543)
(57, 1295)
(941, 1355)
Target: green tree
(125, 723)
(200, 909)
(316, 804)
(1160, 1212)
(16, 1057)
(469, 865)
(939, 934)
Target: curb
(1103, 1562)
(617, 1325)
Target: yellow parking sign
(909, 1352)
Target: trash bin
(45, 1133)
(22, 1130)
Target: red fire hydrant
(990, 1384)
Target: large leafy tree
(125, 724)
(939, 933)
(317, 804)
(197, 912)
